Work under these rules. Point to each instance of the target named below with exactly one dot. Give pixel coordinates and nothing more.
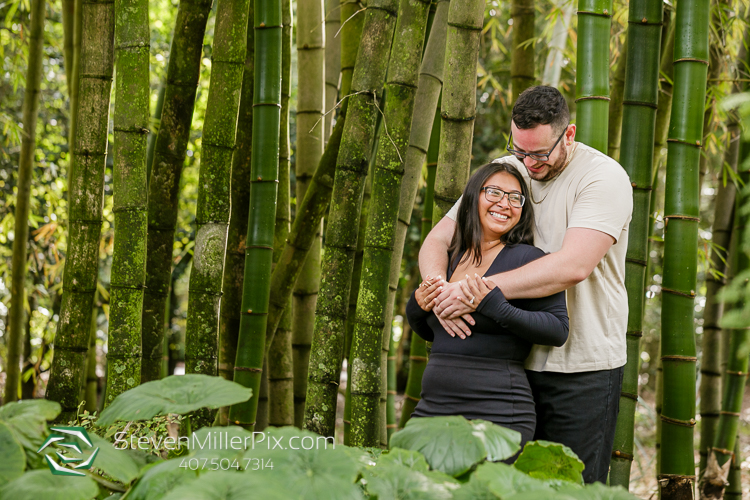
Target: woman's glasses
(495, 195)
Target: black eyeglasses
(534, 156)
(495, 195)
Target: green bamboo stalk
(615, 104)
(73, 83)
(21, 226)
(169, 157)
(312, 99)
(261, 416)
(280, 369)
(639, 105)
(734, 489)
(458, 104)
(333, 61)
(130, 196)
(260, 228)
(351, 312)
(391, 425)
(86, 188)
(212, 213)
(351, 168)
(154, 128)
(417, 346)
(91, 385)
(352, 22)
(592, 72)
(382, 245)
(234, 261)
(681, 209)
(710, 387)
(68, 22)
(522, 53)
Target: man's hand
(449, 306)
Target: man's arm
(433, 256)
(581, 251)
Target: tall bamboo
(554, 62)
(614, 130)
(86, 188)
(681, 207)
(91, 385)
(280, 370)
(458, 104)
(163, 187)
(73, 82)
(417, 347)
(21, 226)
(333, 62)
(522, 53)
(352, 21)
(391, 424)
(314, 61)
(156, 122)
(734, 488)
(710, 386)
(260, 228)
(351, 169)
(212, 212)
(130, 193)
(639, 100)
(234, 261)
(592, 72)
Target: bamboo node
(730, 413)
(262, 25)
(723, 451)
(683, 217)
(741, 374)
(676, 357)
(629, 395)
(247, 369)
(412, 398)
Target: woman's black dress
(482, 376)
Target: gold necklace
(567, 162)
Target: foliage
(284, 463)
(174, 394)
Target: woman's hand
(428, 291)
(477, 289)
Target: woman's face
(500, 217)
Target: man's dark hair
(541, 105)
(468, 234)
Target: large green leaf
(122, 465)
(159, 479)
(220, 442)
(322, 472)
(42, 484)
(175, 394)
(454, 444)
(399, 482)
(408, 458)
(548, 460)
(27, 420)
(504, 480)
(474, 489)
(224, 485)
(12, 457)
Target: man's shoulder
(592, 163)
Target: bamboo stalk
(639, 103)
(678, 353)
(183, 71)
(21, 225)
(614, 130)
(260, 229)
(86, 186)
(351, 167)
(130, 196)
(333, 61)
(592, 72)
(522, 54)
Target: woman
(482, 376)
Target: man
(582, 202)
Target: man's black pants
(579, 410)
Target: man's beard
(554, 169)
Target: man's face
(540, 139)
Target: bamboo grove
(240, 189)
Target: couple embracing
(524, 293)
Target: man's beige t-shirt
(592, 192)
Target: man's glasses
(495, 195)
(534, 156)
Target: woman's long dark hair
(468, 234)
